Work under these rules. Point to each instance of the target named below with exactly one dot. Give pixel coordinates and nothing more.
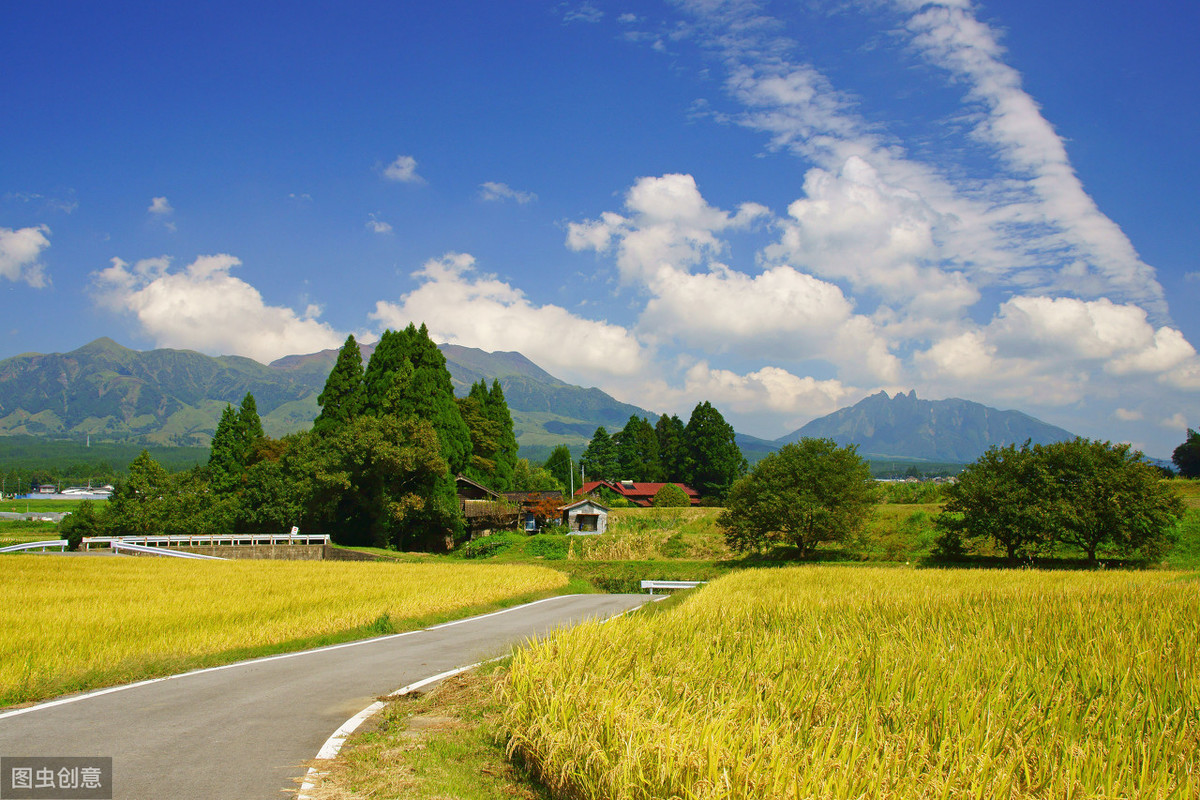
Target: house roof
(585, 501)
(640, 492)
(462, 480)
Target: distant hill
(906, 427)
(176, 397)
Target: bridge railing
(238, 539)
(119, 545)
(60, 544)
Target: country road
(240, 732)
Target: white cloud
(1176, 422)
(490, 190)
(19, 253)
(584, 12)
(203, 307)
(403, 170)
(462, 306)
(770, 388)
(376, 225)
(160, 206)
(1128, 415)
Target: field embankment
(841, 683)
(78, 623)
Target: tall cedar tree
(485, 437)
(599, 461)
(341, 399)
(506, 454)
(672, 454)
(637, 451)
(714, 459)
(233, 444)
(1187, 456)
(428, 394)
(560, 464)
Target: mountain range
(165, 396)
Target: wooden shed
(584, 516)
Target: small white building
(584, 517)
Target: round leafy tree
(806, 493)
(671, 496)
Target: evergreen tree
(672, 455)
(485, 437)
(714, 459)
(600, 459)
(427, 393)
(637, 451)
(341, 399)
(140, 502)
(506, 453)
(250, 429)
(224, 457)
(562, 466)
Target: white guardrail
(652, 585)
(41, 547)
(239, 539)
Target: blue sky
(778, 207)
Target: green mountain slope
(906, 427)
(113, 393)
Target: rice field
(72, 623)
(835, 682)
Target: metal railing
(237, 539)
(119, 545)
(41, 547)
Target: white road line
(99, 692)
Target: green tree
(599, 460)
(249, 425)
(804, 494)
(1187, 455)
(1106, 495)
(342, 398)
(140, 503)
(562, 466)
(672, 452)
(1005, 496)
(714, 460)
(225, 454)
(527, 478)
(485, 437)
(671, 496)
(83, 521)
(425, 391)
(506, 453)
(637, 451)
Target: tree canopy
(714, 460)
(1087, 495)
(802, 495)
(1187, 455)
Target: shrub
(671, 496)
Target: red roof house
(639, 493)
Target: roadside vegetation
(838, 682)
(78, 623)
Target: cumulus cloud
(474, 309)
(490, 190)
(584, 12)
(203, 307)
(403, 170)
(160, 206)
(20, 250)
(768, 388)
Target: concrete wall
(282, 552)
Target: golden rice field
(841, 682)
(73, 623)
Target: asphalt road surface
(241, 732)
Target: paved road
(240, 732)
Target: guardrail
(120, 545)
(652, 585)
(242, 539)
(61, 544)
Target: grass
(19, 531)
(36, 505)
(431, 746)
(78, 623)
(838, 683)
